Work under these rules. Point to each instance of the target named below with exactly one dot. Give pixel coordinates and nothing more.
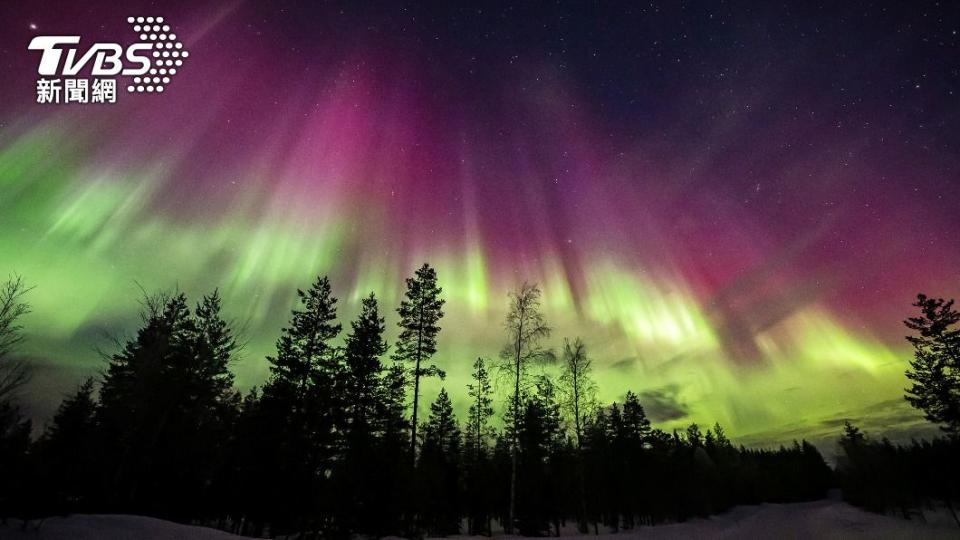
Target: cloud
(662, 404)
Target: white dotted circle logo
(167, 57)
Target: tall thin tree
(481, 406)
(300, 407)
(578, 393)
(420, 313)
(576, 386)
(526, 326)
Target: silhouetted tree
(481, 407)
(579, 394)
(167, 407)
(364, 347)
(526, 327)
(420, 313)
(357, 483)
(68, 453)
(13, 371)
(14, 447)
(300, 408)
(540, 444)
(439, 468)
(576, 385)
(935, 368)
(14, 429)
(476, 459)
(394, 470)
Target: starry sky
(732, 203)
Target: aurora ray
(741, 254)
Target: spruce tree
(540, 439)
(301, 408)
(439, 468)
(935, 368)
(420, 312)
(636, 425)
(68, 452)
(358, 474)
(364, 347)
(166, 401)
(393, 466)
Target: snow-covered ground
(109, 527)
(820, 519)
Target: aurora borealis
(732, 205)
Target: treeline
(336, 441)
(906, 480)
(883, 477)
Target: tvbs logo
(150, 63)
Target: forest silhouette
(336, 441)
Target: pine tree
(14, 461)
(420, 314)
(393, 467)
(68, 452)
(541, 441)
(215, 347)
(166, 399)
(357, 475)
(636, 426)
(364, 347)
(935, 368)
(526, 326)
(439, 468)
(481, 408)
(301, 408)
(305, 354)
(478, 434)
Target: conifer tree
(478, 433)
(358, 473)
(420, 313)
(540, 440)
(305, 354)
(393, 466)
(636, 425)
(67, 449)
(935, 368)
(301, 408)
(364, 347)
(167, 400)
(439, 467)
(481, 408)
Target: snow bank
(825, 519)
(110, 527)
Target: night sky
(732, 204)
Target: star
(33, 26)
